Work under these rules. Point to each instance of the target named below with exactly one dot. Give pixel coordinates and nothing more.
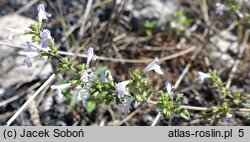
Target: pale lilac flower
(29, 45)
(153, 66)
(202, 76)
(227, 117)
(41, 13)
(29, 54)
(91, 55)
(32, 47)
(45, 38)
(121, 88)
(82, 95)
(220, 8)
(27, 61)
(169, 87)
(102, 77)
(59, 88)
(125, 105)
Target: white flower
(12, 31)
(91, 75)
(41, 13)
(125, 105)
(153, 66)
(121, 88)
(202, 76)
(1, 91)
(91, 55)
(220, 8)
(227, 117)
(59, 88)
(108, 73)
(45, 38)
(82, 95)
(169, 87)
(118, 2)
(29, 54)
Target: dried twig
(129, 116)
(237, 62)
(23, 107)
(26, 6)
(147, 60)
(84, 18)
(9, 100)
(195, 108)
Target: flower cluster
(41, 39)
(86, 78)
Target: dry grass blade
(24, 106)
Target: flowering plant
(88, 85)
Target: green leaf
(180, 12)
(185, 114)
(149, 32)
(99, 70)
(80, 67)
(39, 25)
(91, 106)
(150, 24)
(65, 60)
(248, 117)
(73, 99)
(178, 97)
(35, 38)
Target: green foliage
(76, 80)
(35, 38)
(234, 5)
(180, 22)
(34, 29)
(100, 70)
(72, 99)
(91, 106)
(248, 117)
(219, 85)
(139, 86)
(149, 26)
(184, 114)
(170, 105)
(229, 102)
(64, 65)
(103, 91)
